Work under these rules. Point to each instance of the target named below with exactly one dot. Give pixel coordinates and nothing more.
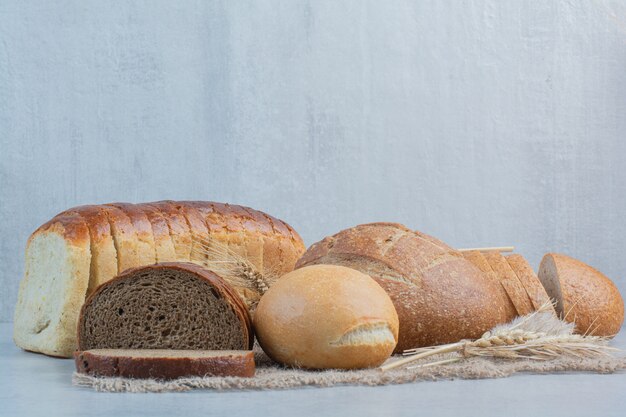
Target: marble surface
(480, 122)
(35, 385)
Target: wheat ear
(539, 335)
(234, 268)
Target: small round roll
(327, 316)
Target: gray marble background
(480, 122)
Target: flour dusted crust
(584, 295)
(479, 260)
(511, 282)
(440, 297)
(60, 272)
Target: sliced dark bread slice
(530, 281)
(164, 363)
(510, 282)
(165, 306)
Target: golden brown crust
(590, 299)
(70, 225)
(179, 229)
(124, 237)
(221, 286)
(530, 281)
(164, 246)
(510, 282)
(478, 259)
(146, 252)
(440, 297)
(327, 316)
(96, 363)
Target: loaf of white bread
(68, 257)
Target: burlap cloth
(272, 376)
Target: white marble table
(35, 385)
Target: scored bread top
(440, 297)
(478, 259)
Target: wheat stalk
(539, 336)
(235, 269)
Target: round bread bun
(583, 295)
(327, 316)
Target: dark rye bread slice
(164, 363)
(165, 306)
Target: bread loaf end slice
(164, 363)
(53, 289)
(584, 295)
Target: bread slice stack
(78, 250)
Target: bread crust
(590, 299)
(230, 363)
(536, 292)
(163, 244)
(309, 318)
(179, 229)
(477, 258)
(115, 237)
(440, 297)
(104, 262)
(510, 281)
(146, 252)
(221, 286)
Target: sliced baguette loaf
(511, 283)
(439, 296)
(479, 260)
(583, 295)
(165, 306)
(164, 363)
(118, 238)
(535, 290)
